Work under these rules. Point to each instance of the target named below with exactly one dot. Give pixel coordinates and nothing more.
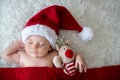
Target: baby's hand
(80, 63)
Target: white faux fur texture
(102, 16)
(41, 30)
(86, 34)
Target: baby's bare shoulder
(53, 53)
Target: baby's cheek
(28, 48)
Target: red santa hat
(50, 20)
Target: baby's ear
(21, 43)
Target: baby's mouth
(34, 52)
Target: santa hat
(50, 20)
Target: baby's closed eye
(42, 44)
(30, 42)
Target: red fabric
(45, 73)
(55, 17)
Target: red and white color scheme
(65, 59)
(50, 20)
(69, 68)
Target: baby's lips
(34, 52)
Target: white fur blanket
(102, 16)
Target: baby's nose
(35, 46)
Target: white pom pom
(86, 34)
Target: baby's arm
(12, 53)
(80, 63)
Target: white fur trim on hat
(86, 34)
(41, 30)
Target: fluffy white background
(103, 16)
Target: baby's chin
(36, 55)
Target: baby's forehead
(37, 37)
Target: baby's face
(37, 46)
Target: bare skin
(28, 61)
(37, 53)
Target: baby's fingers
(76, 65)
(82, 68)
(85, 68)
